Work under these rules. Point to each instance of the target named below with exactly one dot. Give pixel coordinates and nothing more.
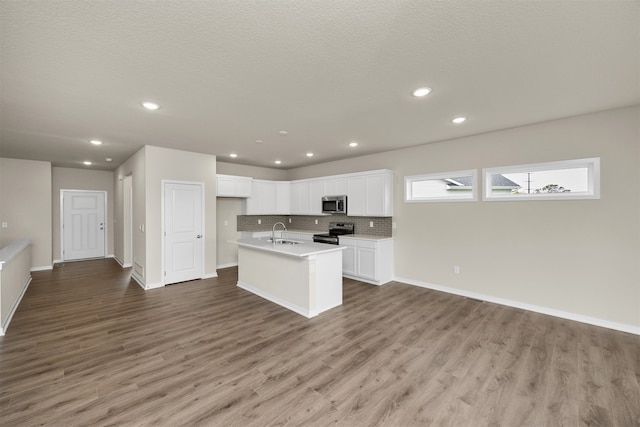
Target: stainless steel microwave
(334, 204)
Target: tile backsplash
(381, 225)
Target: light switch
(370, 223)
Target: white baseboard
(232, 264)
(42, 268)
(210, 275)
(56, 261)
(123, 265)
(293, 307)
(145, 286)
(5, 325)
(529, 307)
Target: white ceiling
(227, 73)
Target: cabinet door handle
(198, 236)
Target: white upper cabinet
(335, 186)
(268, 198)
(283, 197)
(233, 186)
(316, 191)
(370, 194)
(300, 198)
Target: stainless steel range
(336, 229)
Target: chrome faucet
(273, 230)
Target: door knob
(198, 236)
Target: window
(569, 179)
(441, 187)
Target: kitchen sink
(283, 242)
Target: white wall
(26, 207)
(81, 179)
(135, 168)
(166, 164)
(256, 172)
(228, 209)
(578, 257)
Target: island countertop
(303, 249)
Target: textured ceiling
(227, 73)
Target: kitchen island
(304, 277)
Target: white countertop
(365, 237)
(301, 250)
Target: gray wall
(578, 257)
(25, 193)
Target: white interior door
(83, 224)
(183, 232)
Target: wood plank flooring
(88, 346)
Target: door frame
(163, 230)
(106, 216)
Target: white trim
(56, 261)
(592, 164)
(5, 325)
(162, 224)
(231, 264)
(455, 196)
(143, 285)
(529, 307)
(210, 275)
(123, 265)
(42, 268)
(293, 307)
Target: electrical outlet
(226, 223)
(259, 221)
(4, 225)
(394, 224)
(289, 220)
(370, 223)
(456, 269)
(316, 222)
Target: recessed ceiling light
(353, 144)
(459, 120)
(283, 132)
(234, 155)
(259, 141)
(87, 163)
(422, 91)
(277, 162)
(109, 159)
(309, 154)
(95, 142)
(150, 105)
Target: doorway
(183, 231)
(83, 224)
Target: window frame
(592, 164)
(460, 197)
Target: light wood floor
(88, 346)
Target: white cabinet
(370, 194)
(268, 198)
(349, 257)
(335, 186)
(316, 191)
(283, 197)
(300, 197)
(367, 260)
(306, 197)
(233, 186)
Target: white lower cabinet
(367, 260)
